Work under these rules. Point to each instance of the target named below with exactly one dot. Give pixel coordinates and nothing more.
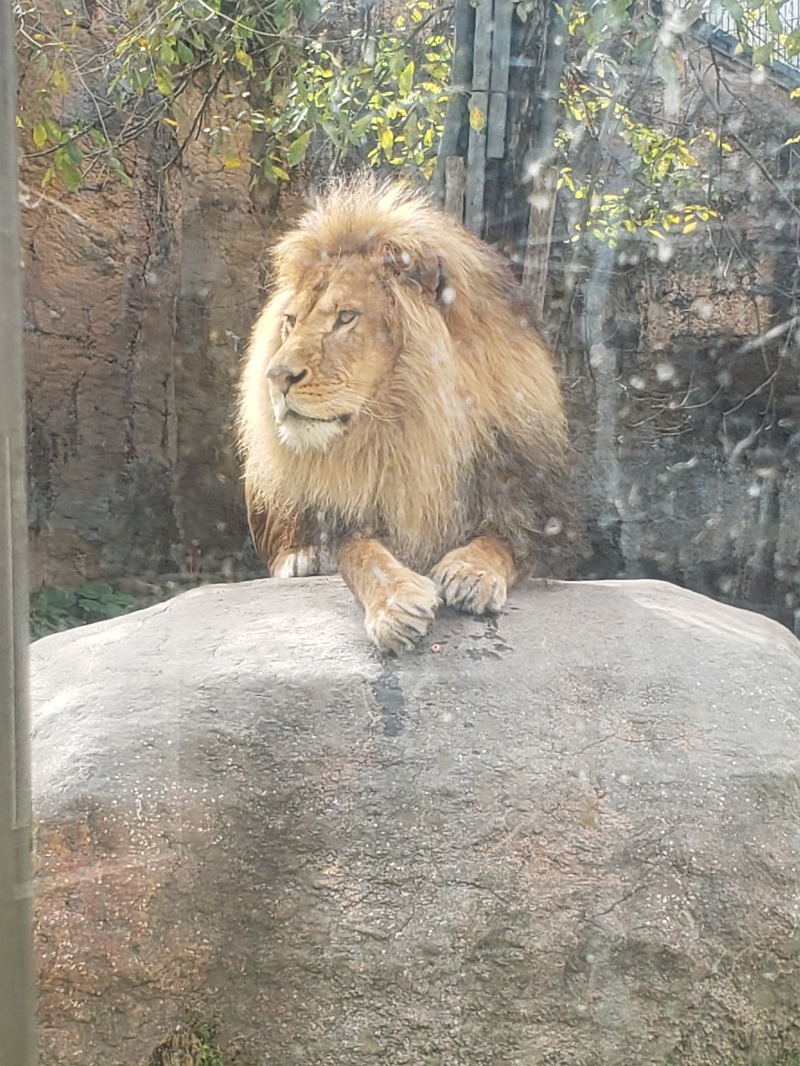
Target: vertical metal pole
(16, 952)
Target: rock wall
(138, 302)
(683, 365)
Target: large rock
(569, 835)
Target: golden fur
(400, 412)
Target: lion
(400, 414)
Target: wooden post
(455, 178)
(456, 122)
(542, 198)
(16, 954)
(499, 76)
(541, 170)
(474, 212)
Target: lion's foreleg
(476, 577)
(280, 540)
(398, 603)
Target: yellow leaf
(690, 227)
(477, 119)
(245, 60)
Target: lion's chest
(417, 514)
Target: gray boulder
(569, 835)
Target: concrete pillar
(16, 957)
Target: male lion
(400, 413)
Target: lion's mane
(466, 437)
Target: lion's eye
(344, 318)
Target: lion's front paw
(404, 614)
(467, 586)
(305, 562)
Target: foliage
(653, 176)
(54, 609)
(763, 35)
(664, 166)
(210, 1054)
(259, 82)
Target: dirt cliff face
(138, 302)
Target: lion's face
(334, 354)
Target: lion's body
(410, 398)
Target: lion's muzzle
(284, 377)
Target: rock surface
(569, 835)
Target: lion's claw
(305, 562)
(405, 616)
(469, 588)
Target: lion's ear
(424, 270)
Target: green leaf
(734, 9)
(54, 131)
(184, 52)
(66, 170)
(774, 20)
(406, 80)
(96, 608)
(60, 80)
(298, 149)
(51, 598)
(167, 52)
(95, 590)
(39, 135)
(792, 45)
(164, 81)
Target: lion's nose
(284, 377)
